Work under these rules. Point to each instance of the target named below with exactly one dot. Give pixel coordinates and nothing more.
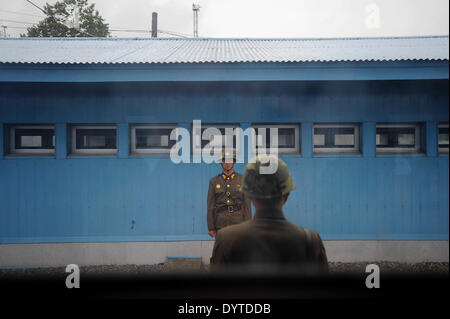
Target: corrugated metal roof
(201, 50)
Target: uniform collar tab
(231, 176)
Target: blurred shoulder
(314, 234)
(233, 231)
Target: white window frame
(30, 151)
(442, 150)
(356, 149)
(292, 150)
(153, 151)
(92, 151)
(400, 150)
(197, 149)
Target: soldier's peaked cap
(258, 185)
(228, 154)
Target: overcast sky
(256, 18)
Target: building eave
(194, 72)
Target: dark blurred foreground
(343, 281)
(170, 294)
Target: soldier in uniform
(226, 204)
(268, 239)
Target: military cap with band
(226, 154)
(266, 186)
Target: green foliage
(62, 18)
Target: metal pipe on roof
(154, 25)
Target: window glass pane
(396, 137)
(344, 139)
(334, 137)
(406, 139)
(151, 138)
(319, 139)
(34, 138)
(382, 139)
(94, 141)
(286, 137)
(95, 138)
(443, 137)
(219, 137)
(31, 141)
(288, 140)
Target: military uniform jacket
(226, 204)
(268, 239)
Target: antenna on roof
(4, 30)
(196, 9)
(154, 25)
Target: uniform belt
(229, 208)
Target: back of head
(258, 185)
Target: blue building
(85, 170)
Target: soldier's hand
(212, 233)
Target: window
(288, 138)
(232, 140)
(32, 139)
(443, 138)
(336, 138)
(398, 138)
(94, 139)
(151, 139)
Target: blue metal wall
(126, 198)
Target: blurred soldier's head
(228, 158)
(267, 190)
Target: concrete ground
(197, 266)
